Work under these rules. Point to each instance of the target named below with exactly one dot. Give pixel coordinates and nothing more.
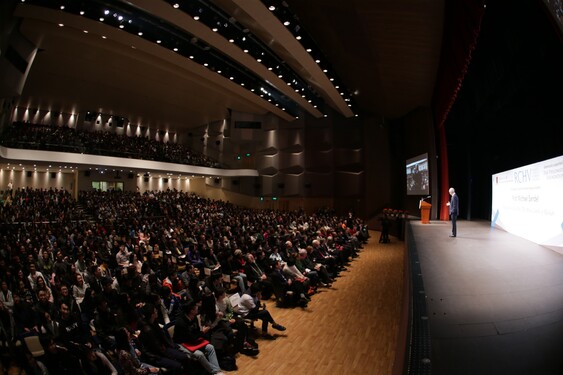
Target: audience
(65, 139)
(106, 290)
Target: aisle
(350, 328)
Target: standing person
(454, 211)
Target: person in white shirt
(249, 308)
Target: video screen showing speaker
(418, 181)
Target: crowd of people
(66, 139)
(164, 281)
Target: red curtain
(462, 22)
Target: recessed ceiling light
(231, 40)
(175, 49)
(259, 60)
(214, 29)
(196, 18)
(101, 19)
(298, 37)
(191, 57)
(140, 33)
(286, 23)
(61, 25)
(272, 8)
(308, 50)
(62, 7)
(81, 12)
(121, 26)
(205, 64)
(159, 41)
(106, 12)
(104, 37)
(85, 31)
(176, 6)
(245, 51)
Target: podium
(425, 212)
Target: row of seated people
(107, 272)
(66, 139)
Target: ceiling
(385, 52)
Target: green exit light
(247, 155)
(274, 198)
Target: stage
(494, 300)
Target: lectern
(425, 212)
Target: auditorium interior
(280, 121)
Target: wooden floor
(350, 328)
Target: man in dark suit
(454, 210)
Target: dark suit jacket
(454, 205)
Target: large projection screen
(418, 181)
(528, 202)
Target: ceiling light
(121, 26)
(272, 8)
(259, 60)
(308, 50)
(101, 19)
(191, 57)
(325, 71)
(219, 72)
(245, 51)
(140, 33)
(61, 25)
(214, 29)
(317, 61)
(205, 64)
(159, 41)
(286, 23)
(106, 12)
(231, 40)
(231, 78)
(176, 6)
(298, 37)
(62, 7)
(332, 79)
(85, 31)
(196, 18)
(175, 49)
(103, 37)
(81, 12)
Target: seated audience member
(43, 305)
(58, 359)
(189, 334)
(249, 308)
(283, 285)
(42, 286)
(255, 274)
(122, 256)
(304, 263)
(50, 327)
(25, 318)
(33, 275)
(128, 356)
(6, 296)
(95, 362)
(231, 325)
(79, 288)
(159, 349)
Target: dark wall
(508, 112)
